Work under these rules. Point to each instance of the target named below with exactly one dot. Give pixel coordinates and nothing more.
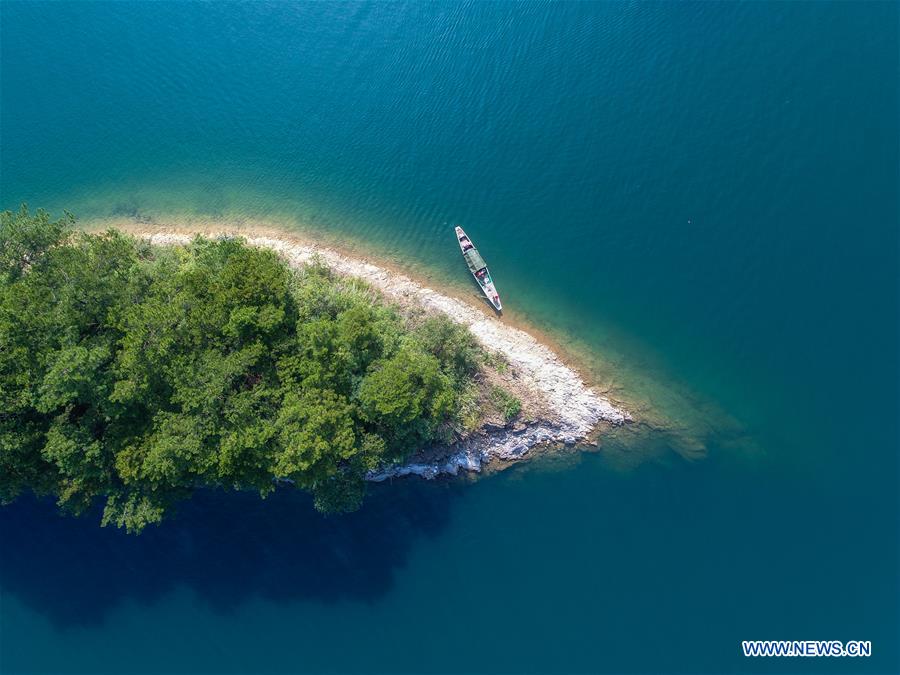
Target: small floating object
(478, 268)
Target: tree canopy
(134, 374)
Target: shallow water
(700, 198)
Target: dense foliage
(137, 373)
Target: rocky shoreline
(563, 409)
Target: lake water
(699, 199)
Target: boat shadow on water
(228, 548)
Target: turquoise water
(701, 198)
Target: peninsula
(145, 361)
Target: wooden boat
(478, 268)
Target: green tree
(135, 374)
(407, 397)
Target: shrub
(508, 405)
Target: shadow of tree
(226, 547)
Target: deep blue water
(703, 197)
